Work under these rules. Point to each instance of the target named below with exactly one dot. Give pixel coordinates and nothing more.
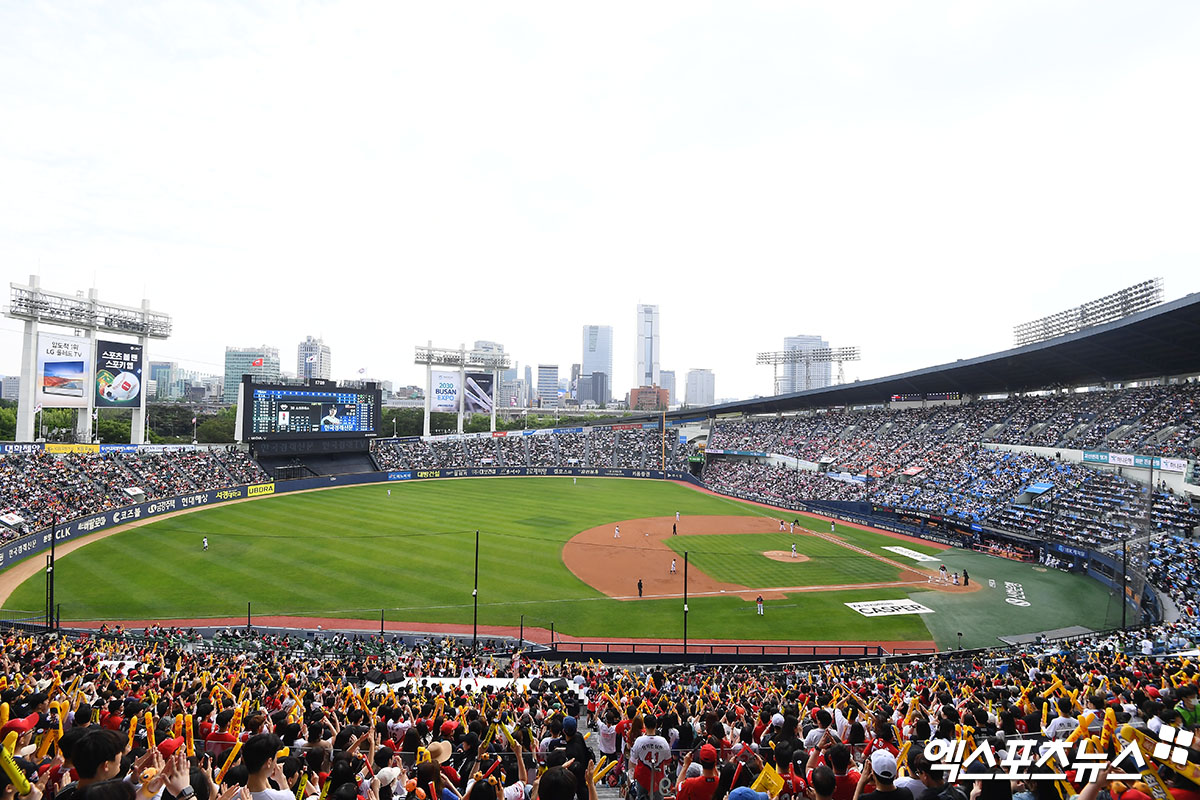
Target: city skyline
(911, 181)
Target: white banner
(1173, 465)
(1121, 459)
(64, 371)
(913, 554)
(445, 392)
(889, 608)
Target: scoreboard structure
(315, 411)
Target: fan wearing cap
(880, 772)
(704, 786)
(577, 749)
(8, 791)
(24, 728)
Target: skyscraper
(666, 379)
(701, 387)
(800, 376)
(163, 375)
(261, 362)
(646, 372)
(547, 385)
(313, 359)
(597, 357)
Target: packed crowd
(1158, 420)
(109, 717)
(990, 487)
(40, 488)
(596, 447)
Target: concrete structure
(701, 387)
(313, 360)
(597, 357)
(667, 381)
(646, 370)
(261, 362)
(11, 388)
(547, 385)
(792, 377)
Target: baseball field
(549, 554)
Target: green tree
(218, 429)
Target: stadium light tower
(463, 359)
(819, 355)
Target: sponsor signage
(445, 391)
(118, 374)
(259, 489)
(1143, 462)
(64, 370)
(889, 608)
(913, 554)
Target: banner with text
(118, 374)
(445, 392)
(64, 364)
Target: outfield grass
(352, 551)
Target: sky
(910, 178)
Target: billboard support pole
(462, 383)
(495, 386)
(27, 397)
(84, 422)
(428, 389)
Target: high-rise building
(530, 387)
(601, 387)
(701, 387)
(10, 389)
(646, 371)
(597, 357)
(163, 375)
(799, 376)
(547, 385)
(261, 362)
(667, 381)
(313, 360)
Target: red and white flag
(258, 362)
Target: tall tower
(798, 376)
(313, 359)
(597, 357)
(646, 373)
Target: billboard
(64, 367)
(118, 374)
(479, 393)
(445, 392)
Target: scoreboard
(275, 412)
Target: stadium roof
(1161, 341)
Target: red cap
(708, 755)
(168, 747)
(448, 728)
(20, 725)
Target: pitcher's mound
(786, 556)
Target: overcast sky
(911, 178)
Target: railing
(673, 652)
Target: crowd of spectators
(1156, 420)
(42, 488)
(262, 717)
